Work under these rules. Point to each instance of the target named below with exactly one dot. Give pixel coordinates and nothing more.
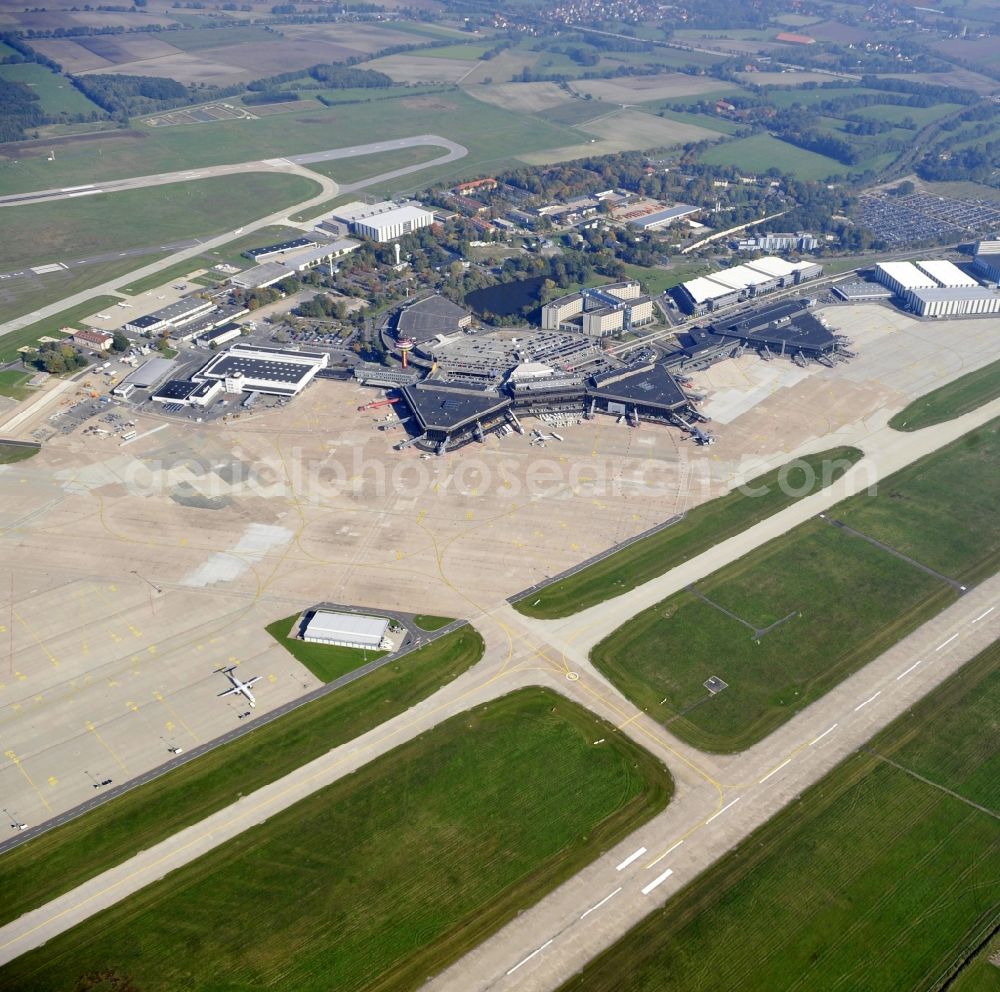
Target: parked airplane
(239, 687)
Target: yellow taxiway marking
(90, 726)
(17, 762)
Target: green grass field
(56, 93)
(492, 135)
(48, 232)
(941, 510)
(386, 876)
(873, 880)
(67, 856)
(326, 661)
(352, 170)
(962, 395)
(9, 343)
(701, 528)
(12, 453)
(428, 621)
(761, 152)
(842, 601)
(12, 384)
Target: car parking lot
(920, 218)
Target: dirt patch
(72, 56)
(32, 149)
(639, 89)
(527, 98)
(419, 69)
(427, 103)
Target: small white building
(351, 630)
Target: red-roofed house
(98, 340)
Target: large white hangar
(349, 630)
(275, 371)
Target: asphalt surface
(719, 800)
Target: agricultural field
(704, 526)
(70, 854)
(642, 89)
(326, 661)
(416, 67)
(967, 393)
(56, 93)
(895, 875)
(790, 620)
(388, 875)
(91, 225)
(761, 152)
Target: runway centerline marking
(902, 675)
(598, 905)
(723, 810)
(986, 614)
(829, 730)
(944, 644)
(773, 771)
(657, 881)
(530, 956)
(632, 857)
(867, 701)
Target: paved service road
(328, 190)
(719, 800)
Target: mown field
(952, 400)
(326, 661)
(67, 229)
(352, 170)
(894, 879)
(761, 152)
(55, 92)
(386, 876)
(67, 856)
(492, 135)
(838, 602)
(701, 528)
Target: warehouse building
(148, 375)
(384, 221)
(187, 392)
(260, 276)
(986, 260)
(175, 315)
(319, 254)
(742, 282)
(97, 340)
(349, 630)
(270, 251)
(664, 218)
(275, 371)
(701, 294)
(218, 336)
(954, 302)
(937, 288)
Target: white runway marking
(774, 771)
(530, 956)
(73, 189)
(85, 192)
(601, 903)
(631, 858)
(829, 730)
(723, 810)
(673, 847)
(944, 644)
(656, 881)
(867, 701)
(907, 672)
(986, 614)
